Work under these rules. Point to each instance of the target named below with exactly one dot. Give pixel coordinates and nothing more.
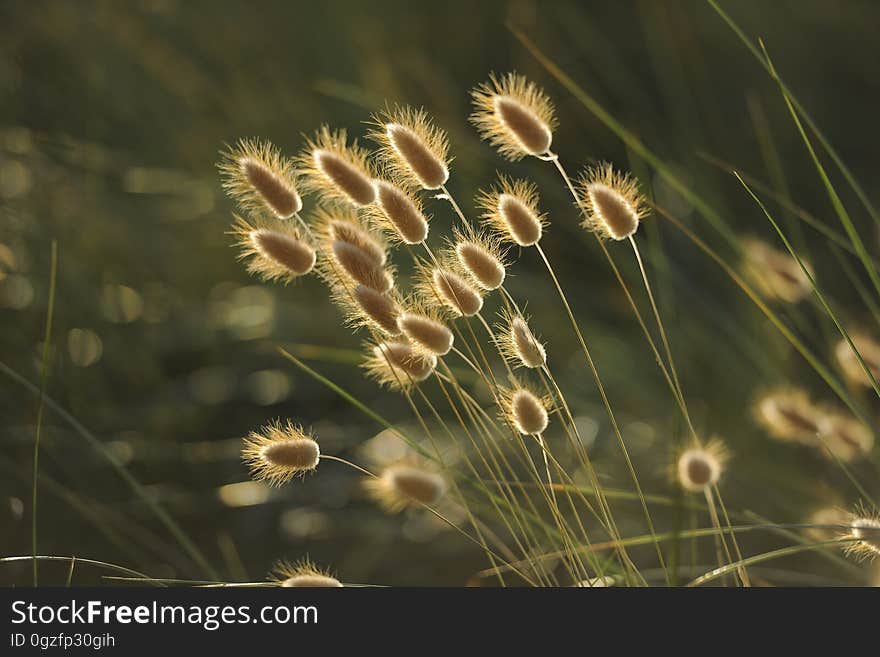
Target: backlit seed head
(278, 452)
(356, 265)
(399, 214)
(775, 273)
(518, 344)
(342, 224)
(480, 256)
(302, 574)
(525, 410)
(700, 468)
(514, 115)
(864, 527)
(335, 170)
(412, 147)
(596, 583)
(260, 179)
(275, 250)
(844, 437)
(829, 520)
(611, 202)
(403, 485)
(868, 349)
(510, 210)
(365, 307)
(447, 291)
(397, 365)
(788, 414)
(425, 330)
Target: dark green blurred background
(111, 118)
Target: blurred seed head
(275, 251)
(278, 452)
(868, 349)
(611, 202)
(788, 414)
(335, 170)
(412, 147)
(845, 437)
(510, 210)
(260, 179)
(775, 273)
(403, 485)
(514, 115)
(596, 583)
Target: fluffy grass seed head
(303, 574)
(514, 115)
(775, 273)
(404, 485)
(447, 290)
(611, 201)
(278, 452)
(339, 223)
(275, 250)
(510, 210)
(398, 214)
(424, 327)
(826, 518)
(260, 179)
(865, 528)
(525, 410)
(350, 265)
(845, 437)
(480, 256)
(365, 307)
(397, 365)
(518, 343)
(789, 415)
(868, 349)
(415, 151)
(699, 468)
(335, 170)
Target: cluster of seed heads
(368, 203)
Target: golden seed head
(425, 330)
(775, 273)
(399, 214)
(510, 209)
(865, 529)
(514, 115)
(335, 170)
(303, 574)
(260, 179)
(868, 349)
(275, 251)
(412, 147)
(596, 583)
(365, 307)
(700, 468)
(359, 266)
(845, 437)
(611, 202)
(403, 485)
(827, 518)
(519, 344)
(278, 452)
(484, 265)
(525, 410)
(789, 415)
(339, 223)
(445, 290)
(397, 365)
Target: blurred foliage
(111, 118)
